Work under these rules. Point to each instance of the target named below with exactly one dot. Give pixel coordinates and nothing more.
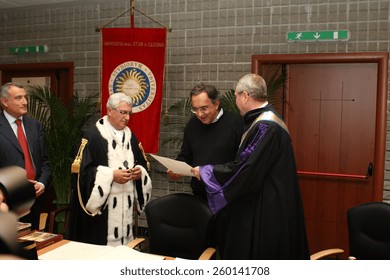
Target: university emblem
(135, 80)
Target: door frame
(381, 59)
(62, 70)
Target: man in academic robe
(113, 176)
(256, 197)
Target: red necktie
(27, 158)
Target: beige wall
(211, 41)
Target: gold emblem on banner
(136, 80)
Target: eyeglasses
(202, 109)
(122, 112)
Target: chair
(52, 219)
(179, 226)
(369, 231)
(328, 254)
(47, 220)
(42, 221)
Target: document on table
(178, 167)
(74, 250)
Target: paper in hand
(178, 167)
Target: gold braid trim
(143, 153)
(76, 169)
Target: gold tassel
(75, 168)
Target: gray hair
(254, 85)
(115, 99)
(4, 89)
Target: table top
(52, 246)
(72, 250)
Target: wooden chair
(179, 226)
(47, 220)
(42, 221)
(53, 215)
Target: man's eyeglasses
(202, 109)
(122, 112)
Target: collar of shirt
(119, 133)
(218, 116)
(265, 104)
(12, 123)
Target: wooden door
(332, 125)
(60, 75)
(336, 117)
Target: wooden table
(52, 247)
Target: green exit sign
(29, 49)
(318, 36)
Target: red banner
(133, 63)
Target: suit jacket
(11, 153)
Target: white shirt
(13, 124)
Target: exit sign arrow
(318, 36)
(29, 49)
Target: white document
(123, 252)
(178, 167)
(82, 251)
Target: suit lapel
(30, 133)
(8, 133)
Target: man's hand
(39, 188)
(122, 176)
(135, 173)
(3, 205)
(195, 171)
(173, 176)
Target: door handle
(370, 169)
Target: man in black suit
(13, 99)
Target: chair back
(369, 231)
(178, 225)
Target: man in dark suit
(13, 99)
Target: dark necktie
(27, 158)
